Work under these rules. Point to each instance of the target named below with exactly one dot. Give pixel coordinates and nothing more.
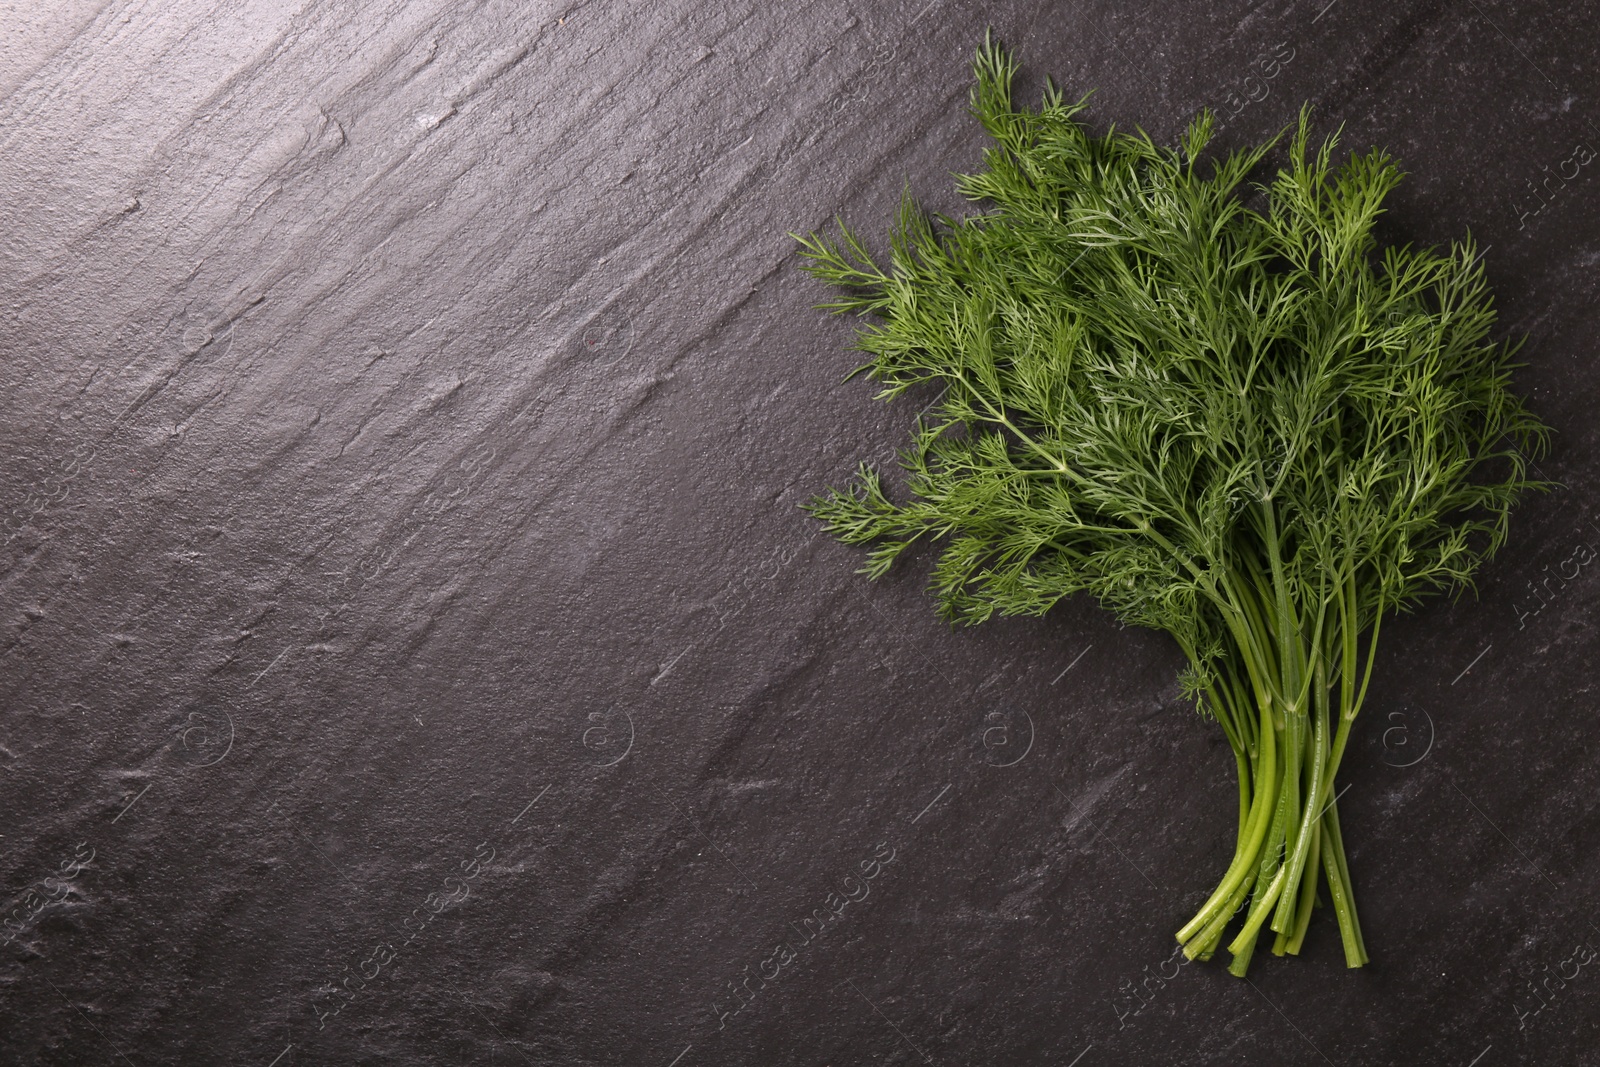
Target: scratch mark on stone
(132, 802)
(1071, 665)
(931, 803)
(531, 803)
(268, 667)
(1471, 665)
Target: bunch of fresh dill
(1255, 430)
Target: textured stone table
(413, 652)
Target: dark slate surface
(405, 412)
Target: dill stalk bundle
(1252, 429)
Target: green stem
(1288, 836)
(1258, 915)
(1290, 797)
(1243, 762)
(1308, 895)
(1355, 951)
(1290, 655)
(1244, 859)
(1206, 942)
(1283, 921)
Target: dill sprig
(1254, 429)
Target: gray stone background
(413, 652)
